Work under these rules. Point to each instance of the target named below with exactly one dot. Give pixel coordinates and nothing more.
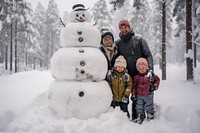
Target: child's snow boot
(150, 116)
(140, 118)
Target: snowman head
(79, 14)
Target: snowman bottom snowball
(81, 100)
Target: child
(143, 91)
(121, 85)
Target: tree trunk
(194, 27)
(16, 46)
(52, 48)
(6, 57)
(189, 60)
(40, 63)
(163, 40)
(11, 47)
(34, 63)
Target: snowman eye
(76, 15)
(83, 15)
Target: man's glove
(126, 77)
(124, 99)
(133, 98)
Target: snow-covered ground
(23, 107)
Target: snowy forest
(29, 38)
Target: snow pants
(145, 104)
(123, 106)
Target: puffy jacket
(119, 86)
(132, 49)
(141, 84)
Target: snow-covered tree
(52, 31)
(125, 12)
(196, 15)
(116, 4)
(140, 19)
(180, 15)
(15, 25)
(154, 37)
(39, 33)
(101, 15)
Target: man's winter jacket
(142, 84)
(120, 85)
(133, 47)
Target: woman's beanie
(141, 61)
(105, 35)
(124, 23)
(120, 61)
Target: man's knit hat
(120, 61)
(124, 23)
(141, 61)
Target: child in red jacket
(143, 89)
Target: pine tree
(39, 40)
(101, 15)
(155, 32)
(179, 15)
(116, 4)
(52, 31)
(22, 32)
(140, 19)
(196, 26)
(4, 26)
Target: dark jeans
(134, 113)
(123, 106)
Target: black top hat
(79, 7)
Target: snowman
(79, 69)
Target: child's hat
(141, 61)
(120, 61)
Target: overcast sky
(64, 5)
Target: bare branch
(62, 23)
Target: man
(133, 47)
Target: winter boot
(140, 118)
(150, 116)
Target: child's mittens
(133, 98)
(153, 87)
(124, 99)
